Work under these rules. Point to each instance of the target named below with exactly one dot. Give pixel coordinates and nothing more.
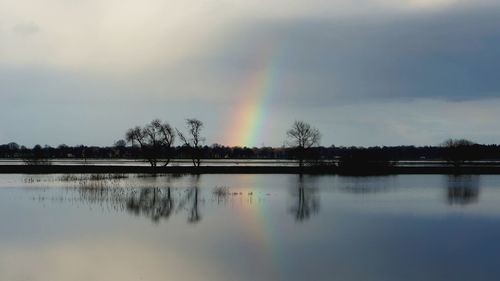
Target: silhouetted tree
(153, 139)
(120, 148)
(458, 151)
(37, 157)
(13, 146)
(193, 139)
(302, 137)
(120, 143)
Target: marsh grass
(221, 191)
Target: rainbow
(247, 124)
(260, 230)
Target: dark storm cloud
(451, 55)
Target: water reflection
(156, 203)
(306, 198)
(462, 189)
(192, 197)
(250, 227)
(366, 185)
(155, 197)
(158, 198)
(152, 202)
(159, 203)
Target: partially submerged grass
(221, 191)
(92, 177)
(68, 177)
(99, 177)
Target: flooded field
(175, 162)
(249, 227)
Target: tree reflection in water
(306, 202)
(462, 189)
(161, 203)
(155, 203)
(367, 185)
(192, 196)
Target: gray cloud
(451, 54)
(26, 28)
(386, 78)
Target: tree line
(158, 143)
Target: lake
(173, 162)
(249, 227)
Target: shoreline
(321, 170)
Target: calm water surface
(249, 227)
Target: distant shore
(321, 170)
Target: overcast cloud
(373, 72)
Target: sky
(364, 72)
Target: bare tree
(193, 139)
(302, 137)
(155, 138)
(458, 151)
